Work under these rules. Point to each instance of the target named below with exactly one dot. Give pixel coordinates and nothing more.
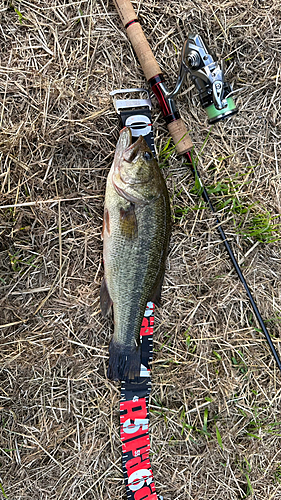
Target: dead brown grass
(212, 368)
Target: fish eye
(147, 156)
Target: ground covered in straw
(215, 404)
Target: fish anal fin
(156, 293)
(128, 222)
(105, 299)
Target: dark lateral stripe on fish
(124, 362)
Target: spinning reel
(208, 78)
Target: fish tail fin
(124, 362)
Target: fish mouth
(132, 151)
(126, 149)
(130, 156)
(127, 152)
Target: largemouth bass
(136, 231)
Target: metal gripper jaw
(208, 77)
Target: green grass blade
(250, 487)
(219, 438)
(2, 489)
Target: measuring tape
(134, 421)
(134, 402)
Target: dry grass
(212, 368)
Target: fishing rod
(214, 94)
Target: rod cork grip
(138, 39)
(180, 136)
(125, 10)
(144, 53)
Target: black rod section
(234, 261)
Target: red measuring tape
(134, 421)
(134, 403)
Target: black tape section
(131, 22)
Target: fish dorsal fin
(105, 299)
(128, 222)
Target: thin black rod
(234, 262)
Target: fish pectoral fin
(128, 222)
(156, 294)
(105, 299)
(105, 224)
